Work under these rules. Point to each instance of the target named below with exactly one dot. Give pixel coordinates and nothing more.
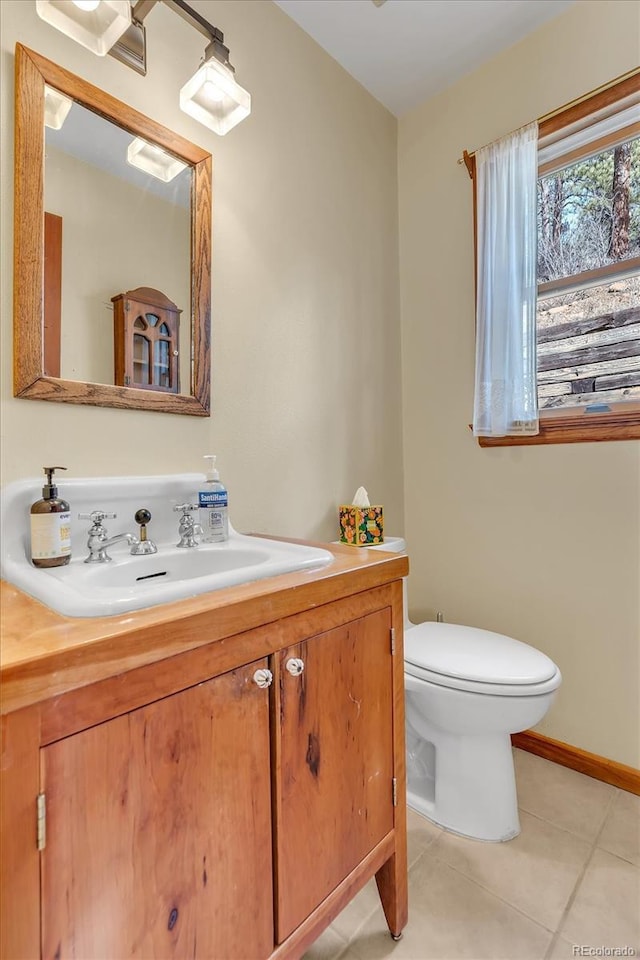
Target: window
(588, 308)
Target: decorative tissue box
(361, 526)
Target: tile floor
(572, 878)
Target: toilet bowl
(466, 691)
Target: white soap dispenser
(214, 506)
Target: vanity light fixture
(212, 95)
(96, 24)
(154, 160)
(56, 107)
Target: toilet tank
(396, 545)
(391, 545)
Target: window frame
(574, 424)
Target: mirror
(111, 227)
(112, 278)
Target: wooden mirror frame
(32, 73)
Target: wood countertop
(44, 654)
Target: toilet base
(463, 783)
(426, 809)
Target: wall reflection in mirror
(117, 235)
(113, 307)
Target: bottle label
(213, 498)
(50, 535)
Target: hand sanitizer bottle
(214, 507)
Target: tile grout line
(569, 903)
(580, 878)
(614, 792)
(556, 826)
(519, 909)
(359, 928)
(610, 853)
(606, 816)
(496, 896)
(378, 906)
(432, 847)
(591, 843)
(343, 949)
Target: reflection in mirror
(120, 232)
(121, 228)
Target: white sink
(135, 582)
(170, 565)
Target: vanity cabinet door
(333, 743)
(159, 830)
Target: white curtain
(506, 401)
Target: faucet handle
(143, 545)
(188, 529)
(142, 516)
(97, 516)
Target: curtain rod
(467, 156)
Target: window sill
(576, 426)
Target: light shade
(96, 29)
(154, 160)
(213, 97)
(56, 108)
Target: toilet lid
(472, 654)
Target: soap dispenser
(50, 526)
(214, 506)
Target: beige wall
(305, 318)
(116, 236)
(540, 543)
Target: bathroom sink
(132, 583)
(169, 566)
(127, 582)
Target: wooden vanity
(160, 798)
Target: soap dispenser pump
(213, 501)
(50, 526)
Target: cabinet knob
(263, 678)
(295, 666)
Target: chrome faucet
(98, 542)
(188, 530)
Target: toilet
(466, 691)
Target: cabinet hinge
(393, 641)
(394, 791)
(41, 823)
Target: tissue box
(361, 526)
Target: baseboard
(618, 774)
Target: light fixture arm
(193, 17)
(216, 46)
(131, 48)
(141, 9)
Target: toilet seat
(466, 658)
